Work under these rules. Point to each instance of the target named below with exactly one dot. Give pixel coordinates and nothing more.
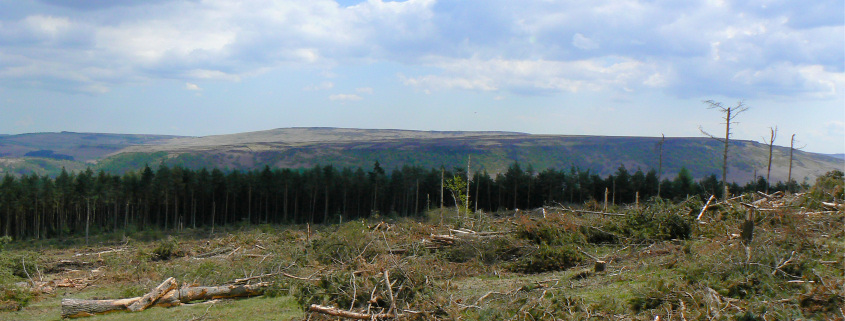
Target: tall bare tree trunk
(660, 165)
(730, 114)
(442, 180)
(771, 147)
(725, 155)
(477, 186)
(416, 198)
(249, 205)
(166, 209)
(791, 149)
(87, 219)
(125, 219)
(466, 206)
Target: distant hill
(79, 146)
(490, 151)
(839, 156)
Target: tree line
(170, 198)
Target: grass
(253, 309)
(659, 263)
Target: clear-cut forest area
(688, 255)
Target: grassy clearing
(659, 262)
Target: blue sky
(631, 68)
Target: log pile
(167, 294)
(773, 202)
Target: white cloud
(322, 86)
(345, 97)
(581, 42)
(48, 25)
(190, 86)
(364, 90)
(211, 74)
(835, 128)
(527, 76)
(685, 48)
(95, 89)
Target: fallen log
(349, 314)
(197, 293)
(444, 239)
(74, 308)
(101, 252)
(147, 300)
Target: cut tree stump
(600, 266)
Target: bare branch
(710, 135)
(714, 104)
(730, 115)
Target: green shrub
(747, 316)
(550, 232)
(14, 297)
(595, 235)
(654, 296)
(131, 291)
(548, 258)
(12, 268)
(661, 225)
(486, 250)
(355, 289)
(166, 250)
(829, 186)
(350, 241)
(4, 240)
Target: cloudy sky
(628, 67)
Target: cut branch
(704, 209)
(147, 300)
(244, 280)
(348, 314)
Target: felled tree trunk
(202, 293)
(74, 308)
(165, 295)
(147, 300)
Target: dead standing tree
(660, 162)
(730, 115)
(791, 149)
(771, 146)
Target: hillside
(72, 146)
(490, 151)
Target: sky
(616, 68)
